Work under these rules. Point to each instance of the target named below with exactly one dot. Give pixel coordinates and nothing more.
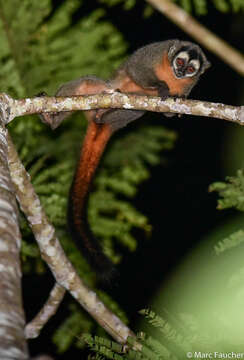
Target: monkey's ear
(207, 64)
(173, 48)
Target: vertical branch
(12, 320)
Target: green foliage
(173, 336)
(231, 195)
(77, 322)
(148, 347)
(231, 192)
(107, 349)
(201, 6)
(127, 4)
(17, 35)
(185, 339)
(46, 50)
(229, 242)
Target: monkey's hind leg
(86, 85)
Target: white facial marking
(183, 55)
(195, 63)
(192, 68)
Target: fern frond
(231, 192)
(158, 348)
(104, 347)
(201, 6)
(171, 335)
(68, 332)
(230, 242)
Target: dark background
(176, 198)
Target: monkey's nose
(180, 72)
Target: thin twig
(198, 32)
(33, 328)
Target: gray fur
(139, 65)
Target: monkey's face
(187, 63)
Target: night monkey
(168, 68)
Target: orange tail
(94, 144)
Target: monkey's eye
(180, 61)
(190, 69)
